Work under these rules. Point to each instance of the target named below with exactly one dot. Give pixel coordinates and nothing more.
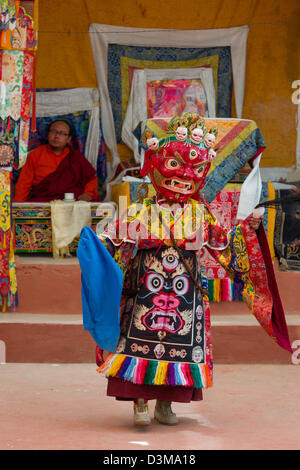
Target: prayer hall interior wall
(64, 58)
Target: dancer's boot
(163, 413)
(141, 413)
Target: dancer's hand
(254, 222)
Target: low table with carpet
(33, 228)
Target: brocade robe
(164, 311)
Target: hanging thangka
(7, 15)
(8, 282)
(122, 60)
(17, 88)
(166, 98)
(18, 25)
(18, 43)
(16, 73)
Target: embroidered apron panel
(164, 320)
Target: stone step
(53, 286)
(47, 324)
(56, 338)
(48, 286)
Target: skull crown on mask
(178, 164)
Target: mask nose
(166, 301)
(188, 172)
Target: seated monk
(56, 168)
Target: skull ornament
(153, 143)
(209, 139)
(211, 154)
(196, 135)
(181, 133)
(197, 354)
(159, 350)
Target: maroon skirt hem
(125, 390)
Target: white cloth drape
(67, 221)
(103, 35)
(250, 191)
(137, 105)
(58, 103)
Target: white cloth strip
(250, 191)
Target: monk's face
(59, 136)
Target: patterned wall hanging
(123, 60)
(117, 49)
(19, 28)
(18, 43)
(8, 281)
(168, 98)
(17, 81)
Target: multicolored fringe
(221, 290)
(152, 372)
(11, 300)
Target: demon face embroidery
(164, 305)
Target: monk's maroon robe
(71, 176)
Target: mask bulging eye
(199, 171)
(172, 164)
(180, 285)
(154, 282)
(170, 262)
(193, 154)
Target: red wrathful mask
(177, 170)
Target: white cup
(69, 196)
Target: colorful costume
(47, 176)
(163, 348)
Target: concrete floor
(64, 406)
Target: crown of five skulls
(190, 128)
